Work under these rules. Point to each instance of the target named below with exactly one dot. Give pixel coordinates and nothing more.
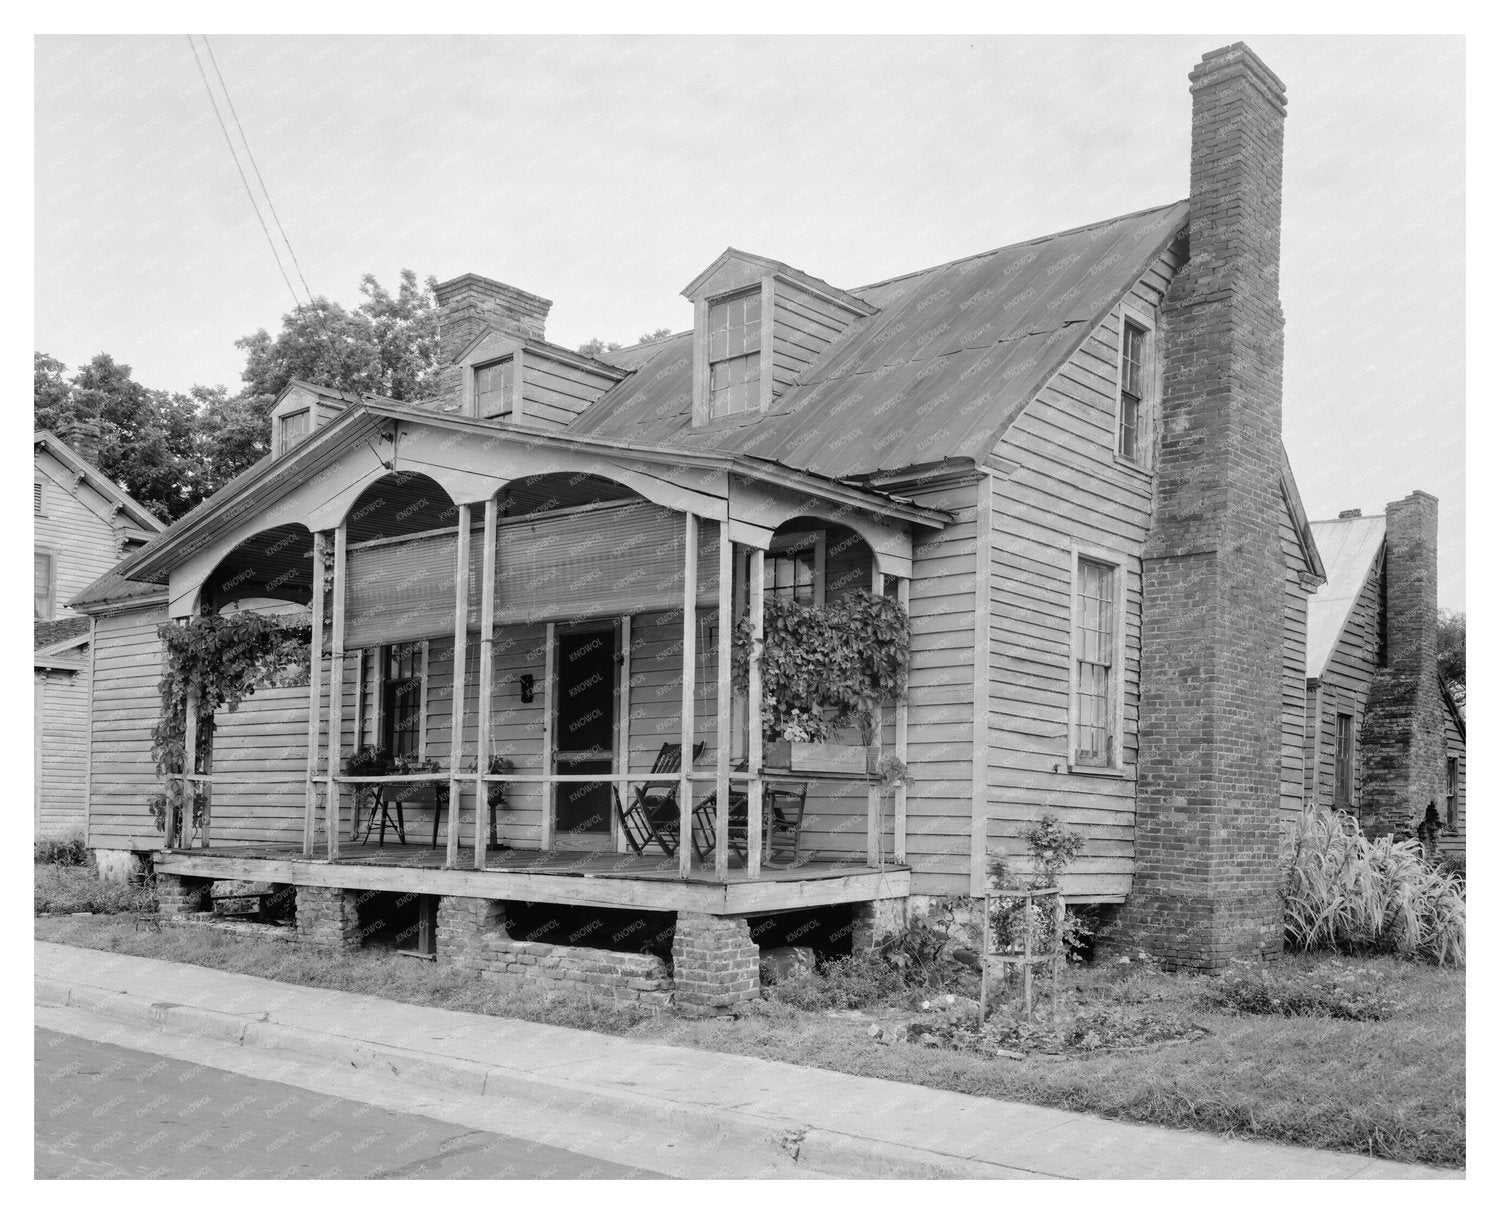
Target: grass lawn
(1393, 1088)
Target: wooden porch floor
(583, 878)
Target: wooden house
(82, 524)
(1039, 451)
(1385, 740)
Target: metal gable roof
(952, 357)
(1348, 547)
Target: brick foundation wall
(1209, 766)
(472, 935)
(328, 918)
(874, 921)
(1402, 743)
(178, 897)
(715, 965)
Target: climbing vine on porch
(824, 668)
(224, 657)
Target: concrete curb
(758, 1143)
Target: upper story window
(46, 586)
(1134, 375)
(494, 388)
(1096, 741)
(1343, 759)
(294, 427)
(734, 354)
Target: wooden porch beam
(333, 815)
(689, 663)
(486, 677)
(460, 681)
(309, 818)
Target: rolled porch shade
(617, 560)
(404, 590)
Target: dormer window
(495, 387)
(734, 353)
(294, 428)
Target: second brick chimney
(1401, 744)
(1213, 574)
(471, 303)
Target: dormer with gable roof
(303, 408)
(757, 325)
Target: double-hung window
(401, 699)
(1451, 800)
(794, 568)
(1343, 759)
(1134, 370)
(46, 585)
(495, 388)
(734, 352)
(294, 428)
(1096, 658)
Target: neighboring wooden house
(83, 524)
(1372, 634)
(1063, 456)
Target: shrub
(1342, 891)
(1454, 864)
(1329, 990)
(842, 984)
(67, 851)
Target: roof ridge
(1019, 244)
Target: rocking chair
(653, 815)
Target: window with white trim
(46, 586)
(734, 353)
(1135, 342)
(1451, 798)
(1343, 759)
(1096, 663)
(293, 428)
(494, 388)
(794, 567)
(401, 696)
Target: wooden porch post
(622, 789)
(208, 787)
(333, 815)
(725, 705)
(689, 661)
(460, 682)
(315, 697)
(755, 750)
(903, 598)
(873, 795)
(548, 665)
(486, 676)
(189, 768)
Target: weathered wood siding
(127, 668)
(553, 393)
(1345, 688)
(941, 696)
(1294, 696)
(265, 736)
(83, 546)
(1456, 841)
(1067, 491)
(804, 326)
(61, 738)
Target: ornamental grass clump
(1342, 891)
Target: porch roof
(272, 477)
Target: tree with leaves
(597, 347)
(1452, 629)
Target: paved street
(103, 1111)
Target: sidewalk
(757, 1116)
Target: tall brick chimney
(471, 303)
(1208, 790)
(1401, 741)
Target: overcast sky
(605, 173)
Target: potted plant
(366, 761)
(495, 793)
(825, 670)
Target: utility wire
(271, 206)
(234, 155)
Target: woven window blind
(405, 591)
(616, 561)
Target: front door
(585, 735)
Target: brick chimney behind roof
(471, 303)
(83, 439)
(1402, 746)
(1209, 769)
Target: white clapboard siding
(127, 668)
(1346, 687)
(62, 707)
(83, 545)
